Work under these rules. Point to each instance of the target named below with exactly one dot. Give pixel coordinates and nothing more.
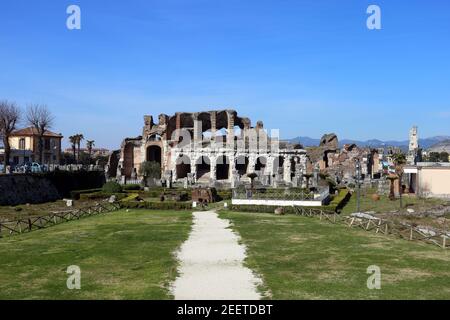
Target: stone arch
(241, 165)
(183, 166)
(203, 168)
(154, 153)
(222, 168)
(222, 120)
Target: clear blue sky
(304, 66)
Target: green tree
(150, 170)
(443, 156)
(252, 177)
(434, 157)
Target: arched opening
(223, 168)
(154, 154)
(183, 167)
(154, 137)
(278, 165)
(261, 164)
(242, 165)
(128, 159)
(203, 166)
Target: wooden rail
(439, 238)
(20, 226)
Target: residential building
(25, 147)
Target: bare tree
(9, 117)
(40, 118)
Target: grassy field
(390, 209)
(123, 255)
(32, 210)
(305, 258)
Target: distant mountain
(443, 146)
(373, 143)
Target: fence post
(411, 234)
(30, 226)
(444, 245)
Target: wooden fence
(20, 226)
(405, 231)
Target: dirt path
(211, 263)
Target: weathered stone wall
(21, 189)
(39, 188)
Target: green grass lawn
(305, 258)
(122, 255)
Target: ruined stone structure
(210, 148)
(340, 163)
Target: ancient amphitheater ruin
(212, 148)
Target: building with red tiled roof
(25, 146)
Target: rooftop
(31, 131)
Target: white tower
(413, 145)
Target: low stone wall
(39, 188)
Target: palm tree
(89, 145)
(80, 138)
(73, 142)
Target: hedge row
(75, 195)
(150, 205)
(131, 197)
(339, 201)
(101, 195)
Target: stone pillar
(231, 168)
(213, 125)
(287, 169)
(197, 131)
(213, 171)
(230, 130)
(178, 127)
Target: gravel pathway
(211, 263)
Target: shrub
(150, 169)
(75, 195)
(112, 187)
(152, 205)
(132, 187)
(131, 197)
(101, 195)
